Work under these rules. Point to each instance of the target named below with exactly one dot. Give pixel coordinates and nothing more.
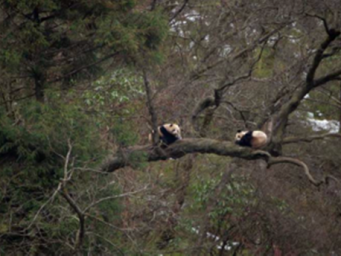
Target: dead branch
(196, 75)
(279, 160)
(332, 35)
(75, 207)
(325, 24)
(60, 185)
(289, 140)
(179, 11)
(113, 197)
(68, 198)
(218, 96)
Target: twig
(74, 206)
(60, 185)
(113, 197)
(179, 11)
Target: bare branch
(113, 197)
(75, 71)
(74, 206)
(44, 204)
(281, 118)
(252, 46)
(332, 35)
(325, 24)
(218, 95)
(179, 11)
(330, 77)
(60, 185)
(279, 160)
(289, 140)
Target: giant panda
(168, 134)
(253, 139)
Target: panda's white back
(259, 139)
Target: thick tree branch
(332, 35)
(177, 150)
(81, 217)
(204, 146)
(325, 79)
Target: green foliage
(120, 86)
(233, 199)
(136, 32)
(33, 153)
(111, 101)
(71, 40)
(123, 135)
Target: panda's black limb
(246, 140)
(167, 137)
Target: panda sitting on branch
(168, 134)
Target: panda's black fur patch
(246, 140)
(167, 137)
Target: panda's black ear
(239, 131)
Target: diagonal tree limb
(75, 207)
(332, 35)
(179, 11)
(325, 79)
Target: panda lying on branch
(168, 134)
(253, 139)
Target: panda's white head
(173, 129)
(239, 135)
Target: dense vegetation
(83, 83)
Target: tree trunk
(340, 110)
(39, 89)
